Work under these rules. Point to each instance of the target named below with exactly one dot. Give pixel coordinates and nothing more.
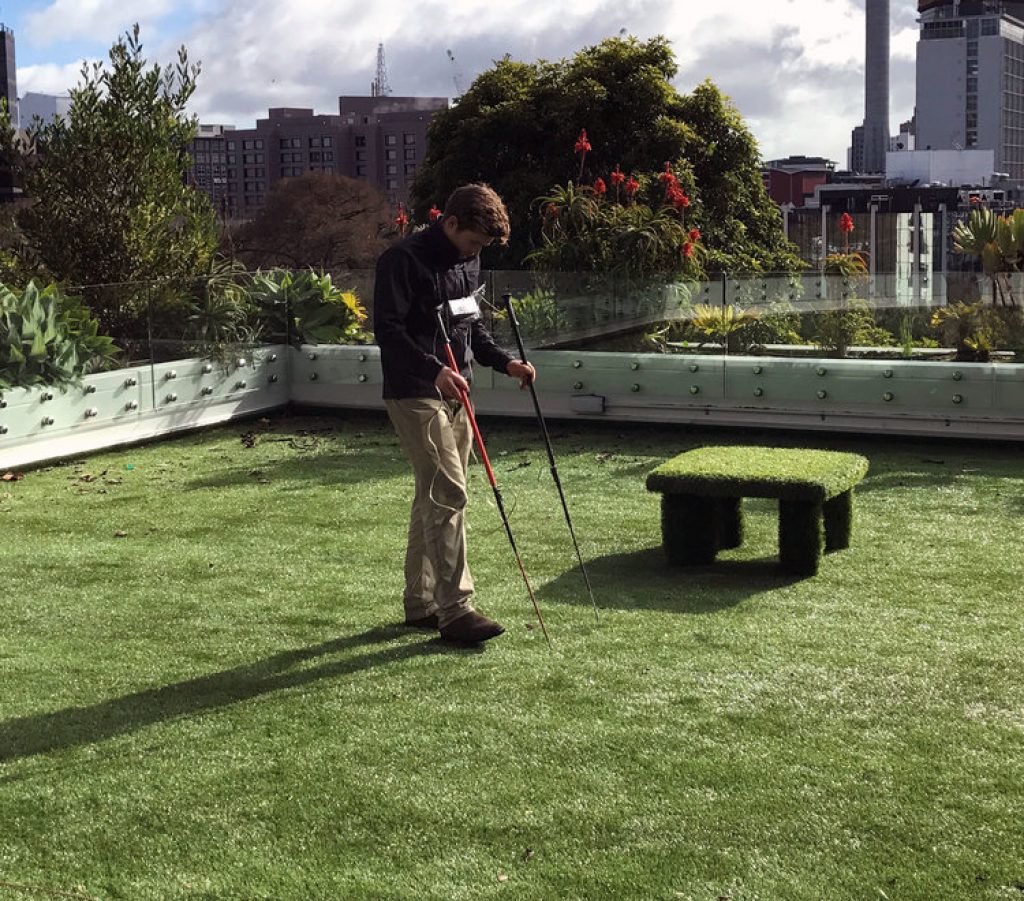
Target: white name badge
(463, 307)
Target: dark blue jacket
(415, 277)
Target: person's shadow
(74, 726)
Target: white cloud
(794, 68)
(95, 20)
(49, 78)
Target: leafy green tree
(319, 220)
(108, 200)
(517, 125)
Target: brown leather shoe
(424, 622)
(471, 628)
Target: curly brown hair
(477, 207)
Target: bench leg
(689, 532)
(801, 536)
(838, 514)
(730, 522)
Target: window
(392, 170)
(328, 155)
(328, 141)
(328, 168)
(360, 170)
(247, 145)
(391, 154)
(390, 140)
(392, 184)
(314, 156)
(410, 168)
(231, 145)
(409, 139)
(360, 155)
(410, 153)
(989, 26)
(284, 142)
(360, 140)
(314, 142)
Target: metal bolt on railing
(207, 368)
(171, 398)
(822, 394)
(758, 392)
(362, 377)
(171, 374)
(634, 387)
(207, 391)
(958, 398)
(957, 376)
(240, 383)
(694, 367)
(694, 389)
(888, 396)
(577, 386)
(90, 389)
(272, 378)
(48, 420)
(132, 405)
(313, 376)
(758, 370)
(131, 382)
(91, 412)
(47, 395)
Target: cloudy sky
(795, 68)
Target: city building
(870, 140)
(209, 169)
(9, 91)
(381, 139)
(970, 80)
(791, 182)
(45, 107)
(952, 168)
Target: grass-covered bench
(702, 491)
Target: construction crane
(381, 87)
(456, 75)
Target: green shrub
(48, 338)
(308, 307)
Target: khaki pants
(437, 442)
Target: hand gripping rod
(464, 397)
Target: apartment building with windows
(970, 79)
(379, 139)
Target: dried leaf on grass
(12, 476)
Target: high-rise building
(381, 139)
(209, 169)
(970, 79)
(9, 91)
(870, 140)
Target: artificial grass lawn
(219, 704)
(751, 471)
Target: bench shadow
(644, 580)
(28, 736)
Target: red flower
(618, 176)
(846, 223)
(401, 220)
(599, 186)
(688, 250)
(668, 178)
(435, 214)
(551, 210)
(632, 186)
(582, 144)
(694, 234)
(675, 196)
